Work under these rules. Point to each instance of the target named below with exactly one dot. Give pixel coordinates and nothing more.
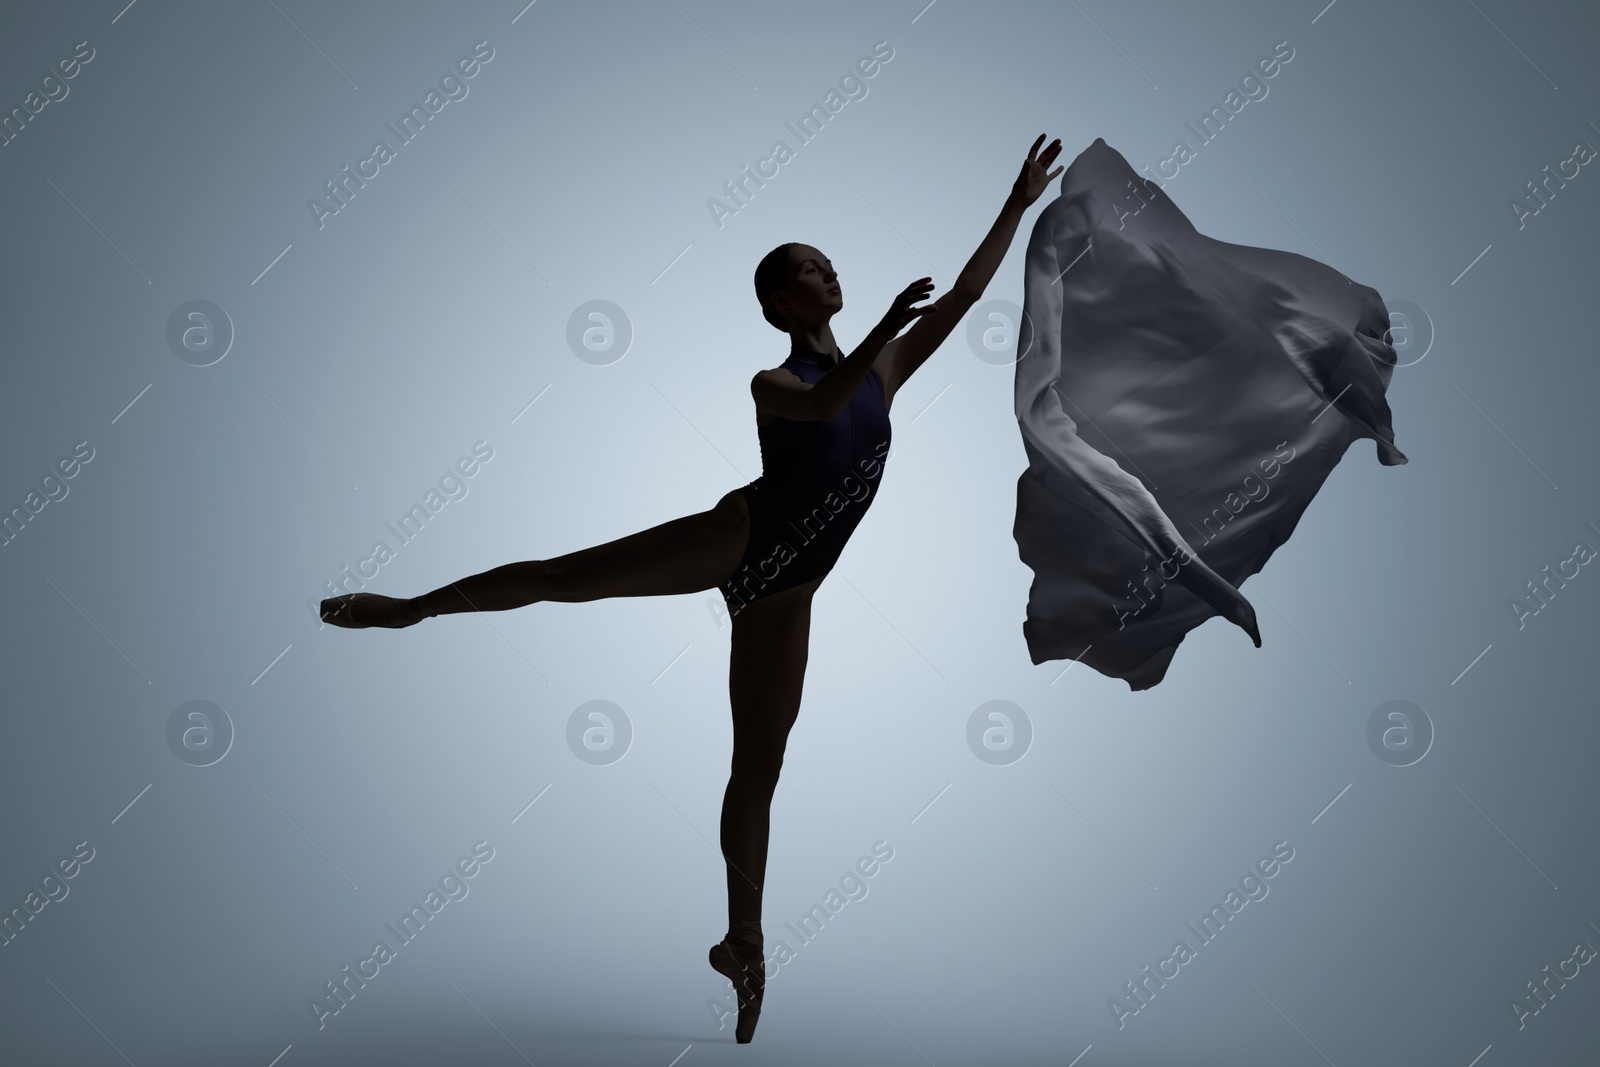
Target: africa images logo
(343, 189)
(452, 886)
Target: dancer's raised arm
(780, 393)
(905, 355)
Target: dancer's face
(813, 294)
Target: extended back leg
(684, 555)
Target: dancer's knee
(757, 773)
(557, 578)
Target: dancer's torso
(843, 454)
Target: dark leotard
(818, 477)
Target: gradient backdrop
(243, 851)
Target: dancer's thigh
(767, 667)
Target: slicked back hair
(772, 274)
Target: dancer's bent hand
(901, 312)
(356, 611)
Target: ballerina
(823, 422)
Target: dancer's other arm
(781, 393)
(905, 355)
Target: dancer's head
(797, 287)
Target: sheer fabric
(1181, 400)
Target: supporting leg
(766, 673)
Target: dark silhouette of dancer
(823, 422)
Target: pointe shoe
(356, 611)
(746, 969)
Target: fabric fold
(1181, 400)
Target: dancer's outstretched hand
(1033, 179)
(901, 312)
(357, 611)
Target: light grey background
(434, 308)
